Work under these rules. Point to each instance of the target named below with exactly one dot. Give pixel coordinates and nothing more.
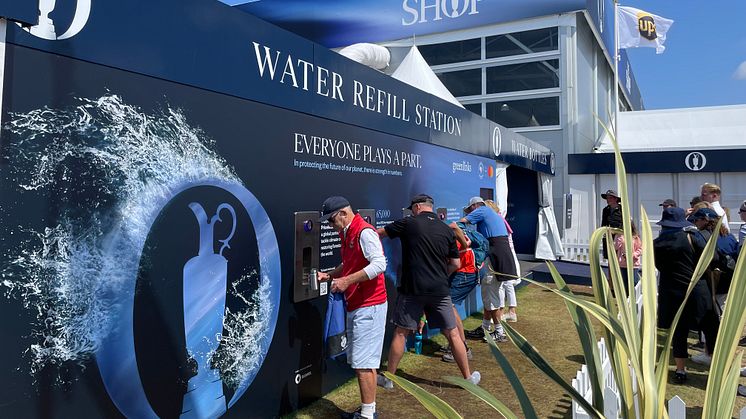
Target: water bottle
(418, 343)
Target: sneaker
(356, 414)
(475, 378)
(679, 377)
(448, 355)
(498, 337)
(477, 333)
(742, 390)
(743, 372)
(702, 359)
(511, 317)
(384, 382)
(742, 341)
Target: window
(525, 112)
(452, 52)
(525, 76)
(474, 107)
(464, 82)
(518, 43)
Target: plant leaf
(435, 405)
(587, 340)
(731, 326)
(535, 357)
(649, 317)
(482, 394)
(515, 382)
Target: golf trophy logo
(205, 281)
(46, 28)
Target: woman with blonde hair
(507, 288)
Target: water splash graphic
(108, 167)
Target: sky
(704, 63)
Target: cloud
(740, 73)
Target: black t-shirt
(427, 244)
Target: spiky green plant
(631, 335)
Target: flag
(638, 28)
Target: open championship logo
(216, 231)
(47, 29)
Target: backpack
(479, 245)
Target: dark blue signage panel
(339, 23)
(689, 161)
(212, 46)
(147, 247)
(24, 11)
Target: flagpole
(616, 68)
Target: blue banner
(24, 12)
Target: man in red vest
(360, 278)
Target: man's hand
(323, 276)
(340, 284)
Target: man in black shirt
(429, 255)
(611, 216)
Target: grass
(543, 319)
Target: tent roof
(716, 127)
(414, 71)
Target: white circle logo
(343, 341)
(695, 161)
(496, 141)
(298, 377)
(46, 28)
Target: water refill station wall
(161, 169)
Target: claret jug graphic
(205, 279)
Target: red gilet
(369, 292)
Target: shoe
(497, 337)
(679, 377)
(742, 390)
(356, 414)
(448, 356)
(742, 341)
(511, 317)
(384, 382)
(702, 359)
(475, 378)
(743, 372)
(477, 333)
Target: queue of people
(682, 239)
(440, 268)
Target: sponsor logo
(462, 166)
(481, 170)
(646, 25)
(423, 11)
(497, 141)
(695, 161)
(48, 29)
(490, 171)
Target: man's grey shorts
(365, 329)
(409, 309)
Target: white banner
(638, 28)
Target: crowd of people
(441, 265)
(683, 236)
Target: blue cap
(706, 213)
(331, 205)
(673, 217)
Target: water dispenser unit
(307, 249)
(369, 215)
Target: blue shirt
(488, 223)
